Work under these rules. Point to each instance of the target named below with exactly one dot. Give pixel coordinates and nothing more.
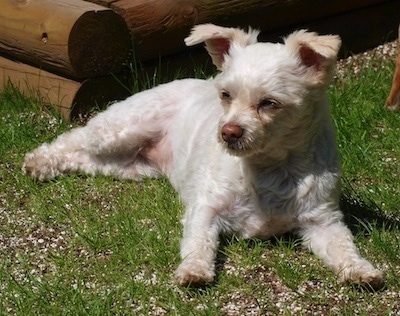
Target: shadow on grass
(359, 214)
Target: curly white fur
(262, 164)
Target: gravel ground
(370, 58)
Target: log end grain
(97, 93)
(99, 44)
(71, 38)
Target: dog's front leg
(199, 247)
(333, 243)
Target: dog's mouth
(239, 141)
(236, 144)
(239, 149)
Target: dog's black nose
(231, 133)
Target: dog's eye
(268, 103)
(225, 95)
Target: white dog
(251, 151)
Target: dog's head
(271, 93)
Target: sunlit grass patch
(79, 245)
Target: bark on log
(69, 97)
(73, 38)
(159, 26)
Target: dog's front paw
(39, 167)
(363, 274)
(194, 273)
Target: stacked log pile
(66, 51)
(69, 51)
(159, 26)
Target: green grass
(96, 246)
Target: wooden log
(104, 3)
(73, 38)
(159, 26)
(69, 97)
(360, 29)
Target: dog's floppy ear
(317, 52)
(219, 39)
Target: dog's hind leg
(111, 143)
(78, 151)
(65, 154)
(333, 243)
